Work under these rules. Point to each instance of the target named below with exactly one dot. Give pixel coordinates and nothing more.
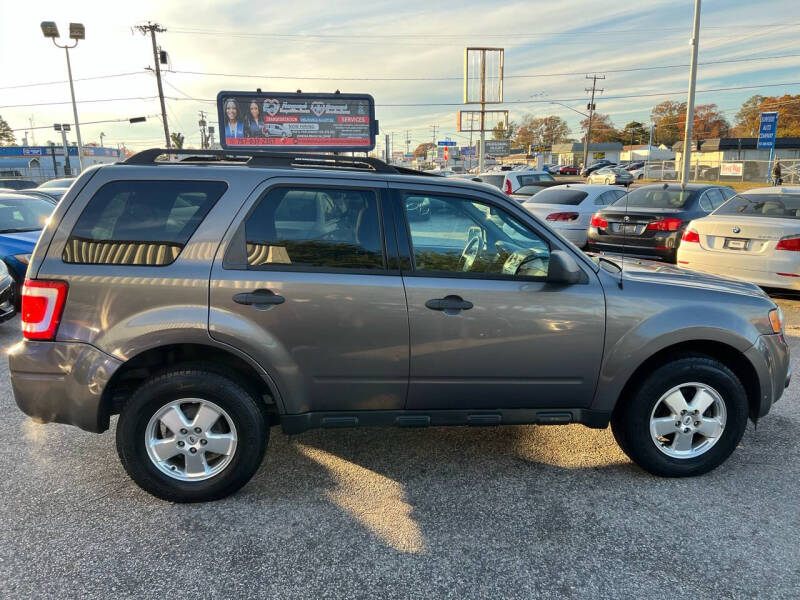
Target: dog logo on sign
(271, 106)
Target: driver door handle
(259, 298)
(449, 303)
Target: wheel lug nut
(677, 423)
(203, 442)
(696, 423)
(184, 432)
(193, 450)
(180, 444)
(197, 430)
(685, 430)
(683, 412)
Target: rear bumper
(770, 357)
(759, 270)
(61, 382)
(662, 246)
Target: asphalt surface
(510, 512)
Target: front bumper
(770, 357)
(61, 382)
(7, 309)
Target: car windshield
(656, 198)
(495, 180)
(558, 196)
(784, 206)
(28, 214)
(528, 190)
(56, 183)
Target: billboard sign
(304, 122)
(470, 120)
(467, 150)
(767, 130)
(445, 143)
(498, 147)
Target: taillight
(563, 216)
(508, 186)
(42, 305)
(790, 243)
(690, 235)
(598, 221)
(668, 224)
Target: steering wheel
(469, 254)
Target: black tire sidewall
(251, 430)
(634, 421)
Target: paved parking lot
(512, 512)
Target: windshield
(56, 183)
(495, 180)
(528, 190)
(558, 196)
(656, 198)
(783, 206)
(29, 214)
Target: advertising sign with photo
(304, 122)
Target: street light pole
(77, 32)
(687, 136)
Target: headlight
(23, 258)
(776, 320)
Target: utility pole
(408, 142)
(203, 135)
(152, 29)
(33, 130)
(687, 135)
(588, 139)
(434, 128)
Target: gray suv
(207, 299)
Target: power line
(84, 123)
(443, 78)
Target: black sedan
(649, 221)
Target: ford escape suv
(207, 299)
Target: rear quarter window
(140, 223)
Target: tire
(608, 182)
(631, 421)
(238, 405)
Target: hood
(19, 243)
(660, 273)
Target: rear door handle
(259, 298)
(448, 304)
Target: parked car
(611, 176)
(205, 301)
(522, 194)
(16, 184)
(655, 171)
(600, 164)
(55, 188)
(516, 179)
(649, 221)
(754, 236)
(22, 218)
(35, 193)
(496, 178)
(569, 208)
(568, 170)
(634, 165)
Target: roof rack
(252, 158)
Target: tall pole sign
(483, 84)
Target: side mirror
(562, 268)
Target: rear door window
(140, 223)
(311, 228)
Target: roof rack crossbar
(263, 159)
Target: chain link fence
(722, 171)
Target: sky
(409, 56)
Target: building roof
(594, 147)
(717, 144)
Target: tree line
(669, 122)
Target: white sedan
(569, 208)
(754, 236)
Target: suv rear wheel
(685, 419)
(191, 435)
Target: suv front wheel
(685, 419)
(191, 435)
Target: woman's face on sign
(254, 110)
(231, 111)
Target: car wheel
(608, 181)
(191, 435)
(684, 419)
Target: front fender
(627, 349)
